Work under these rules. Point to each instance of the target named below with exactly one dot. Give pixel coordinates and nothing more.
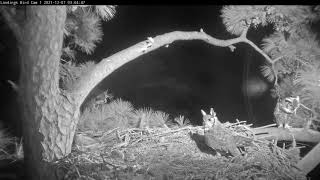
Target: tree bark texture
(49, 118)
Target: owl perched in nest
(220, 138)
(287, 113)
(282, 113)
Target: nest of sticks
(173, 153)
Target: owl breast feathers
(220, 138)
(286, 114)
(281, 116)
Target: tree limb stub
(108, 65)
(281, 134)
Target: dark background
(189, 75)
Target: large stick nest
(173, 153)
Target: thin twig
(304, 63)
(258, 49)
(266, 126)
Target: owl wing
(213, 140)
(220, 139)
(233, 149)
(216, 138)
(280, 118)
(279, 114)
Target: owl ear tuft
(211, 111)
(203, 113)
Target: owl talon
(280, 126)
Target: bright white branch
(14, 86)
(110, 64)
(258, 50)
(281, 134)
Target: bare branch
(275, 74)
(300, 134)
(14, 86)
(108, 65)
(274, 70)
(258, 50)
(266, 126)
(277, 59)
(244, 33)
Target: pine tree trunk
(49, 117)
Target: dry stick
(163, 133)
(301, 134)
(274, 70)
(173, 131)
(266, 126)
(14, 86)
(240, 122)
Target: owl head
(290, 105)
(209, 120)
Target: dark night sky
(182, 79)
(189, 75)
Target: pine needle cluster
(293, 48)
(119, 114)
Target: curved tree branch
(244, 33)
(281, 134)
(274, 70)
(108, 65)
(258, 50)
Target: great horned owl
(219, 138)
(288, 113)
(285, 111)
